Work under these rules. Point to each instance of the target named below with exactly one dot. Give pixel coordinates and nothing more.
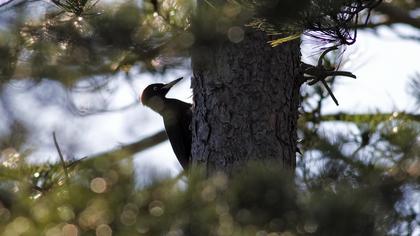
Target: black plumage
(176, 115)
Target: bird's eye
(155, 88)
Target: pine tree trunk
(246, 99)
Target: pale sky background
(383, 66)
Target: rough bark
(246, 99)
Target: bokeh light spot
(235, 34)
(98, 185)
(156, 208)
(208, 194)
(128, 217)
(70, 230)
(65, 213)
(10, 157)
(103, 230)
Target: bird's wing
(179, 132)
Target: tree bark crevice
(245, 102)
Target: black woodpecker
(176, 115)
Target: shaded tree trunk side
(246, 99)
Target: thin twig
(330, 92)
(63, 164)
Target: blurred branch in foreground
(125, 151)
(128, 150)
(63, 170)
(398, 15)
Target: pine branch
(366, 117)
(314, 74)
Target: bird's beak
(169, 85)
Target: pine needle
(277, 42)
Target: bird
(177, 116)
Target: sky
(383, 64)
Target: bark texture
(246, 98)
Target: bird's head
(153, 95)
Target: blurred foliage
(367, 184)
(74, 43)
(330, 21)
(69, 41)
(72, 40)
(348, 197)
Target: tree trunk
(246, 98)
